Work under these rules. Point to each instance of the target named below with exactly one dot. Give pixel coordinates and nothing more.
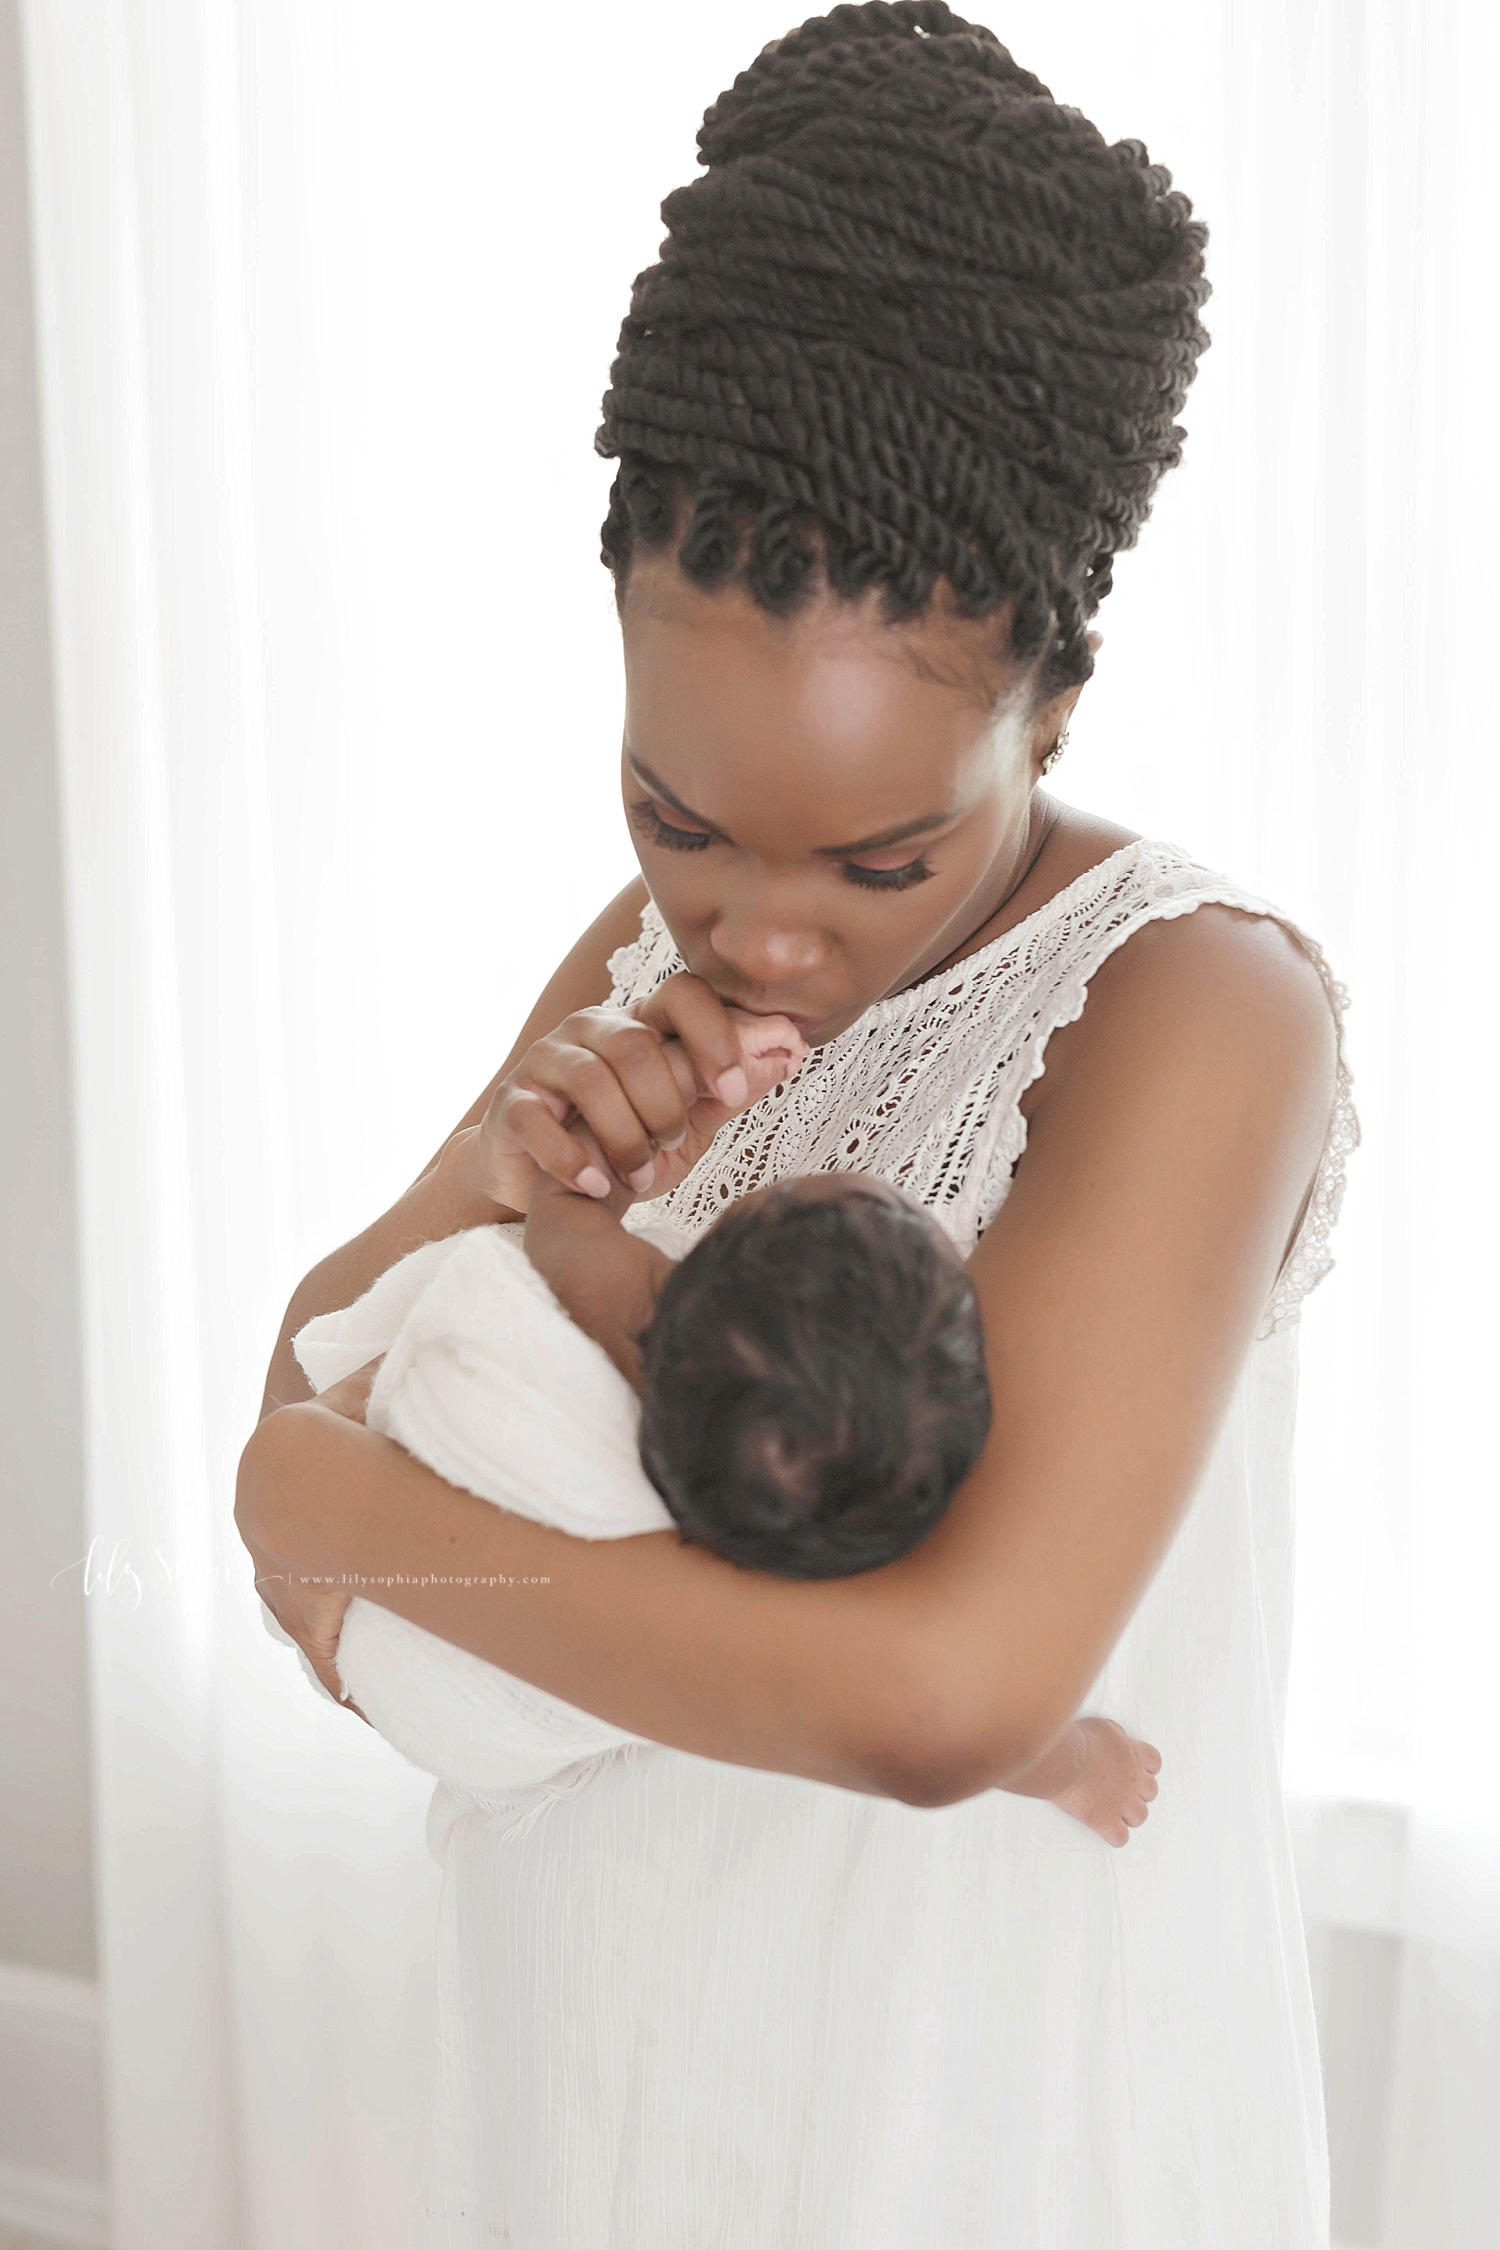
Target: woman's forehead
(807, 788)
(854, 723)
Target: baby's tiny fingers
(773, 1036)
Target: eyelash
(888, 878)
(673, 839)
(662, 832)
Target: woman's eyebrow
(658, 788)
(888, 836)
(878, 843)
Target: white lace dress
(696, 2007)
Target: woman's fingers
(612, 1071)
(312, 1614)
(656, 1080)
(581, 1084)
(643, 1081)
(686, 1008)
(529, 1121)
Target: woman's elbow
(946, 1741)
(935, 1776)
(265, 1499)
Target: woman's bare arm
(1171, 1151)
(444, 1198)
(1172, 1143)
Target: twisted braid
(916, 320)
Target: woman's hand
(310, 1612)
(771, 1050)
(609, 1069)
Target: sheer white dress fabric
(696, 2007)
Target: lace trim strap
(638, 967)
(1309, 1258)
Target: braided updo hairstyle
(917, 320)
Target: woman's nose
(766, 953)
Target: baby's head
(813, 1379)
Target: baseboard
(68, 2213)
(51, 2109)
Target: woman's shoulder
(1194, 931)
(1221, 961)
(1191, 967)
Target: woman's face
(825, 805)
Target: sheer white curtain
(328, 295)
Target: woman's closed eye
(672, 837)
(888, 878)
(647, 817)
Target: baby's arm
(351, 1394)
(605, 1278)
(1099, 1774)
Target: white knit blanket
(486, 1380)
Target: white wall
(51, 2136)
(46, 1877)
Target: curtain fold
(265, 1899)
(326, 299)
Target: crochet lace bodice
(925, 1088)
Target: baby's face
(837, 1187)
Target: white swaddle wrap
(486, 1380)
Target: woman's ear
(1050, 728)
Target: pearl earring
(1055, 752)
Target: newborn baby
(811, 1374)
(812, 1391)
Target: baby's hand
(1111, 1789)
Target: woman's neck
(1060, 844)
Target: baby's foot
(1113, 1786)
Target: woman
(900, 387)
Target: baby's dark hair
(917, 320)
(813, 1384)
